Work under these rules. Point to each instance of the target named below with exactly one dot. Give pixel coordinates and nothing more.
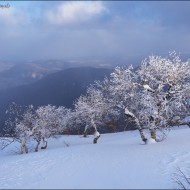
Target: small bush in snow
(182, 179)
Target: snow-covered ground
(119, 160)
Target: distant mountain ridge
(16, 74)
(25, 73)
(60, 88)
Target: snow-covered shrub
(181, 178)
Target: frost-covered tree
(155, 96)
(90, 109)
(126, 93)
(20, 125)
(167, 103)
(50, 121)
(113, 110)
(47, 123)
(65, 117)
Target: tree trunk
(26, 149)
(85, 131)
(133, 117)
(38, 143)
(153, 134)
(23, 147)
(96, 134)
(144, 139)
(96, 139)
(45, 144)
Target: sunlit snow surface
(119, 160)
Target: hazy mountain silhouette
(29, 72)
(60, 88)
(17, 74)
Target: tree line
(155, 97)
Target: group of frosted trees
(153, 97)
(156, 96)
(26, 124)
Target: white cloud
(76, 11)
(11, 17)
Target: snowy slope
(119, 161)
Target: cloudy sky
(92, 29)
